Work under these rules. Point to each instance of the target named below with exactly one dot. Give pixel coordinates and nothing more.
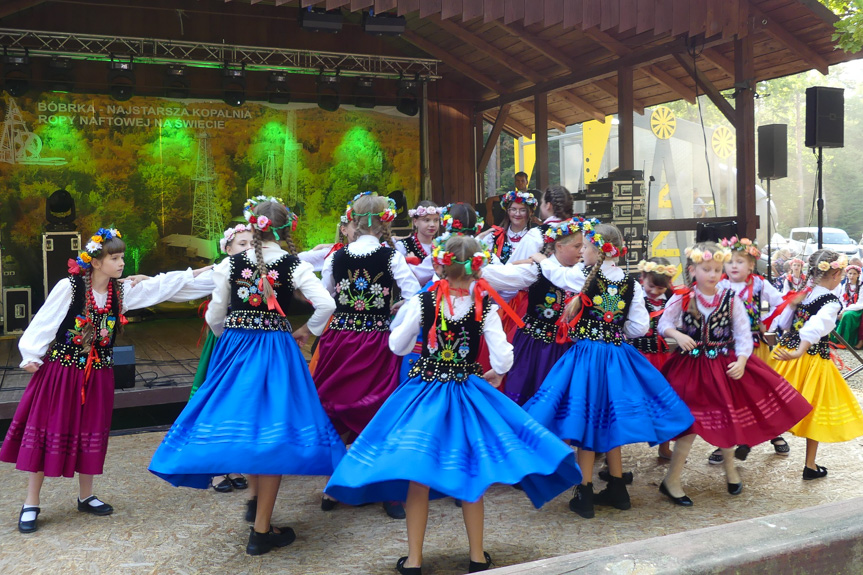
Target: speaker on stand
(772, 165)
(825, 128)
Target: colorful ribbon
(786, 299)
(272, 301)
(563, 325)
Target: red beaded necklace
(91, 300)
(703, 299)
(419, 246)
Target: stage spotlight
(234, 84)
(383, 24)
(121, 78)
(60, 77)
(176, 82)
(328, 92)
(16, 72)
(407, 97)
(317, 20)
(365, 94)
(277, 88)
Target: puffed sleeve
(424, 271)
(670, 318)
(314, 257)
(327, 274)
(638, 318)
(218, 308)
(200, 287)
(821, 324)
(156, 289)
(313, 290)
(406, 327)
(509, 279)
(400, 247)
(499, 349)
(571, 279)
(530, 244)
(741, 328)
(784, 320)
(44, 325)
(404, 277)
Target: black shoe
(780, 446)
(239, 483)
(818, 473)
(457, 503)
(682, 501)
(715, 457)
(400, 567)
(394, 509)
(28, 526)
(260, 543)
(615, 495)
(476, 566)
(252, 509)
(223, 486)
(101, 509)
(742, 452)
(328, 504)
(604, 475)
(582, 503)
(735, 488)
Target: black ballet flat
(476, 566)
(682, 501)
(394, 509)
(400, 567)
(223, 486)
(810, 474)
(239, 483)
(735, 488)
(261, 543)
(328, 504)
(100, 510)
(28, 526)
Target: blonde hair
(371, 225)
(278, 215)
(611, 235)
(712, 247)
(462, 248)
(815, 274)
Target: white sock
(94, 501)
(29, 515)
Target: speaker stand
(769, 236)
(820, 198)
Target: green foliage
(849, 29)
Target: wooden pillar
(744, 115)
(625, 110)
(478, 127)
(540, 120)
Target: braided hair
(372, 225)
(611, 235)
(816, 274)
(462, 247)
(560, 200)
(277, 213)
(690, 277)
(109, 247)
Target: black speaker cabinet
(773, 151)
(57, 249)
(715, 231)
(124, 366)
(17, 308)
(825, 117)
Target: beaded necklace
(518, 235)
(91, 300)
(702, 299)
(419, 246)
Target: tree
(849, 29)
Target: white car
(804, 241)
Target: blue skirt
(456, 438)
(257, 412)
(601, 396)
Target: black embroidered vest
(413, 247)
(791, 338)
(451, 354)
(713, 335)
(364, 286)
(603, 321)
(650, 342)
(545, 303)
(506, 246)
(68, 346)
(248, 309)
(753, 308)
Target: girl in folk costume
(735, 397)
(602, 394)
(795, 280)
(445, 431)
(257, 412)
(417, 246)
(61, 424)
(519, 208)
(850, 327)
(803, 358)
(851, 286)
(356, 371)
(555, 206)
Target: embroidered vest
(545, 303)
(714, 334)
(791, 338)
(850, 297)
(603, 321)
(506, 247)
(68, 346)
(248, 309)
(413, 247)
(364, 286)
(451, 354)
(650, 342)
(753, 308)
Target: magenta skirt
(52, 431)
(355, 375)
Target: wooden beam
(670, 82)
(14, 6)
(778, 31)
(608, 42)
(540, 101)
(684, 224)
(707, 86)
(625, 133)
(551, 52)
(581, 104)
(609, 88)
(496, 129)
(744, 111)
(713, 56)
(553, 121)
(513, 127)
(453, 61)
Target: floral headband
(444, 258)
(655, 268)
(568, 228)
(850, 267)
(609, 249)
(744, 245)
(797, 261)
(230, 233)
(388, 215)
(697, 256)
(519, 198)
(452, 225)
(84, 259)
(839, 264)
(263, 223)
(425, 211)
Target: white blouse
(531, 242)
(304, 279)
(44, 325)
(672, 318)
(820, 324)
(769, 293)
(365, 245)
(315, 257)
(400, 248)
(407, 326)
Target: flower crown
(85, 258)
(452, 225)
(744, 245)
(697, 256)
(388, 215)
(655, 268)
(425, 211)
(519, 198)
(850, 267)
(609, 249)
(567, 228)
(263, 223)
(230, 233)
(444, 258)
(839, 264)
(797, 260)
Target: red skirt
(657, 360)
(52, 431)
(729, 412)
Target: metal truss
(205, 55)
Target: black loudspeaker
(124, 367)
(715, 232)
(825, 117)
(773, 151)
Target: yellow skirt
(762, 352)
(836, 415)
